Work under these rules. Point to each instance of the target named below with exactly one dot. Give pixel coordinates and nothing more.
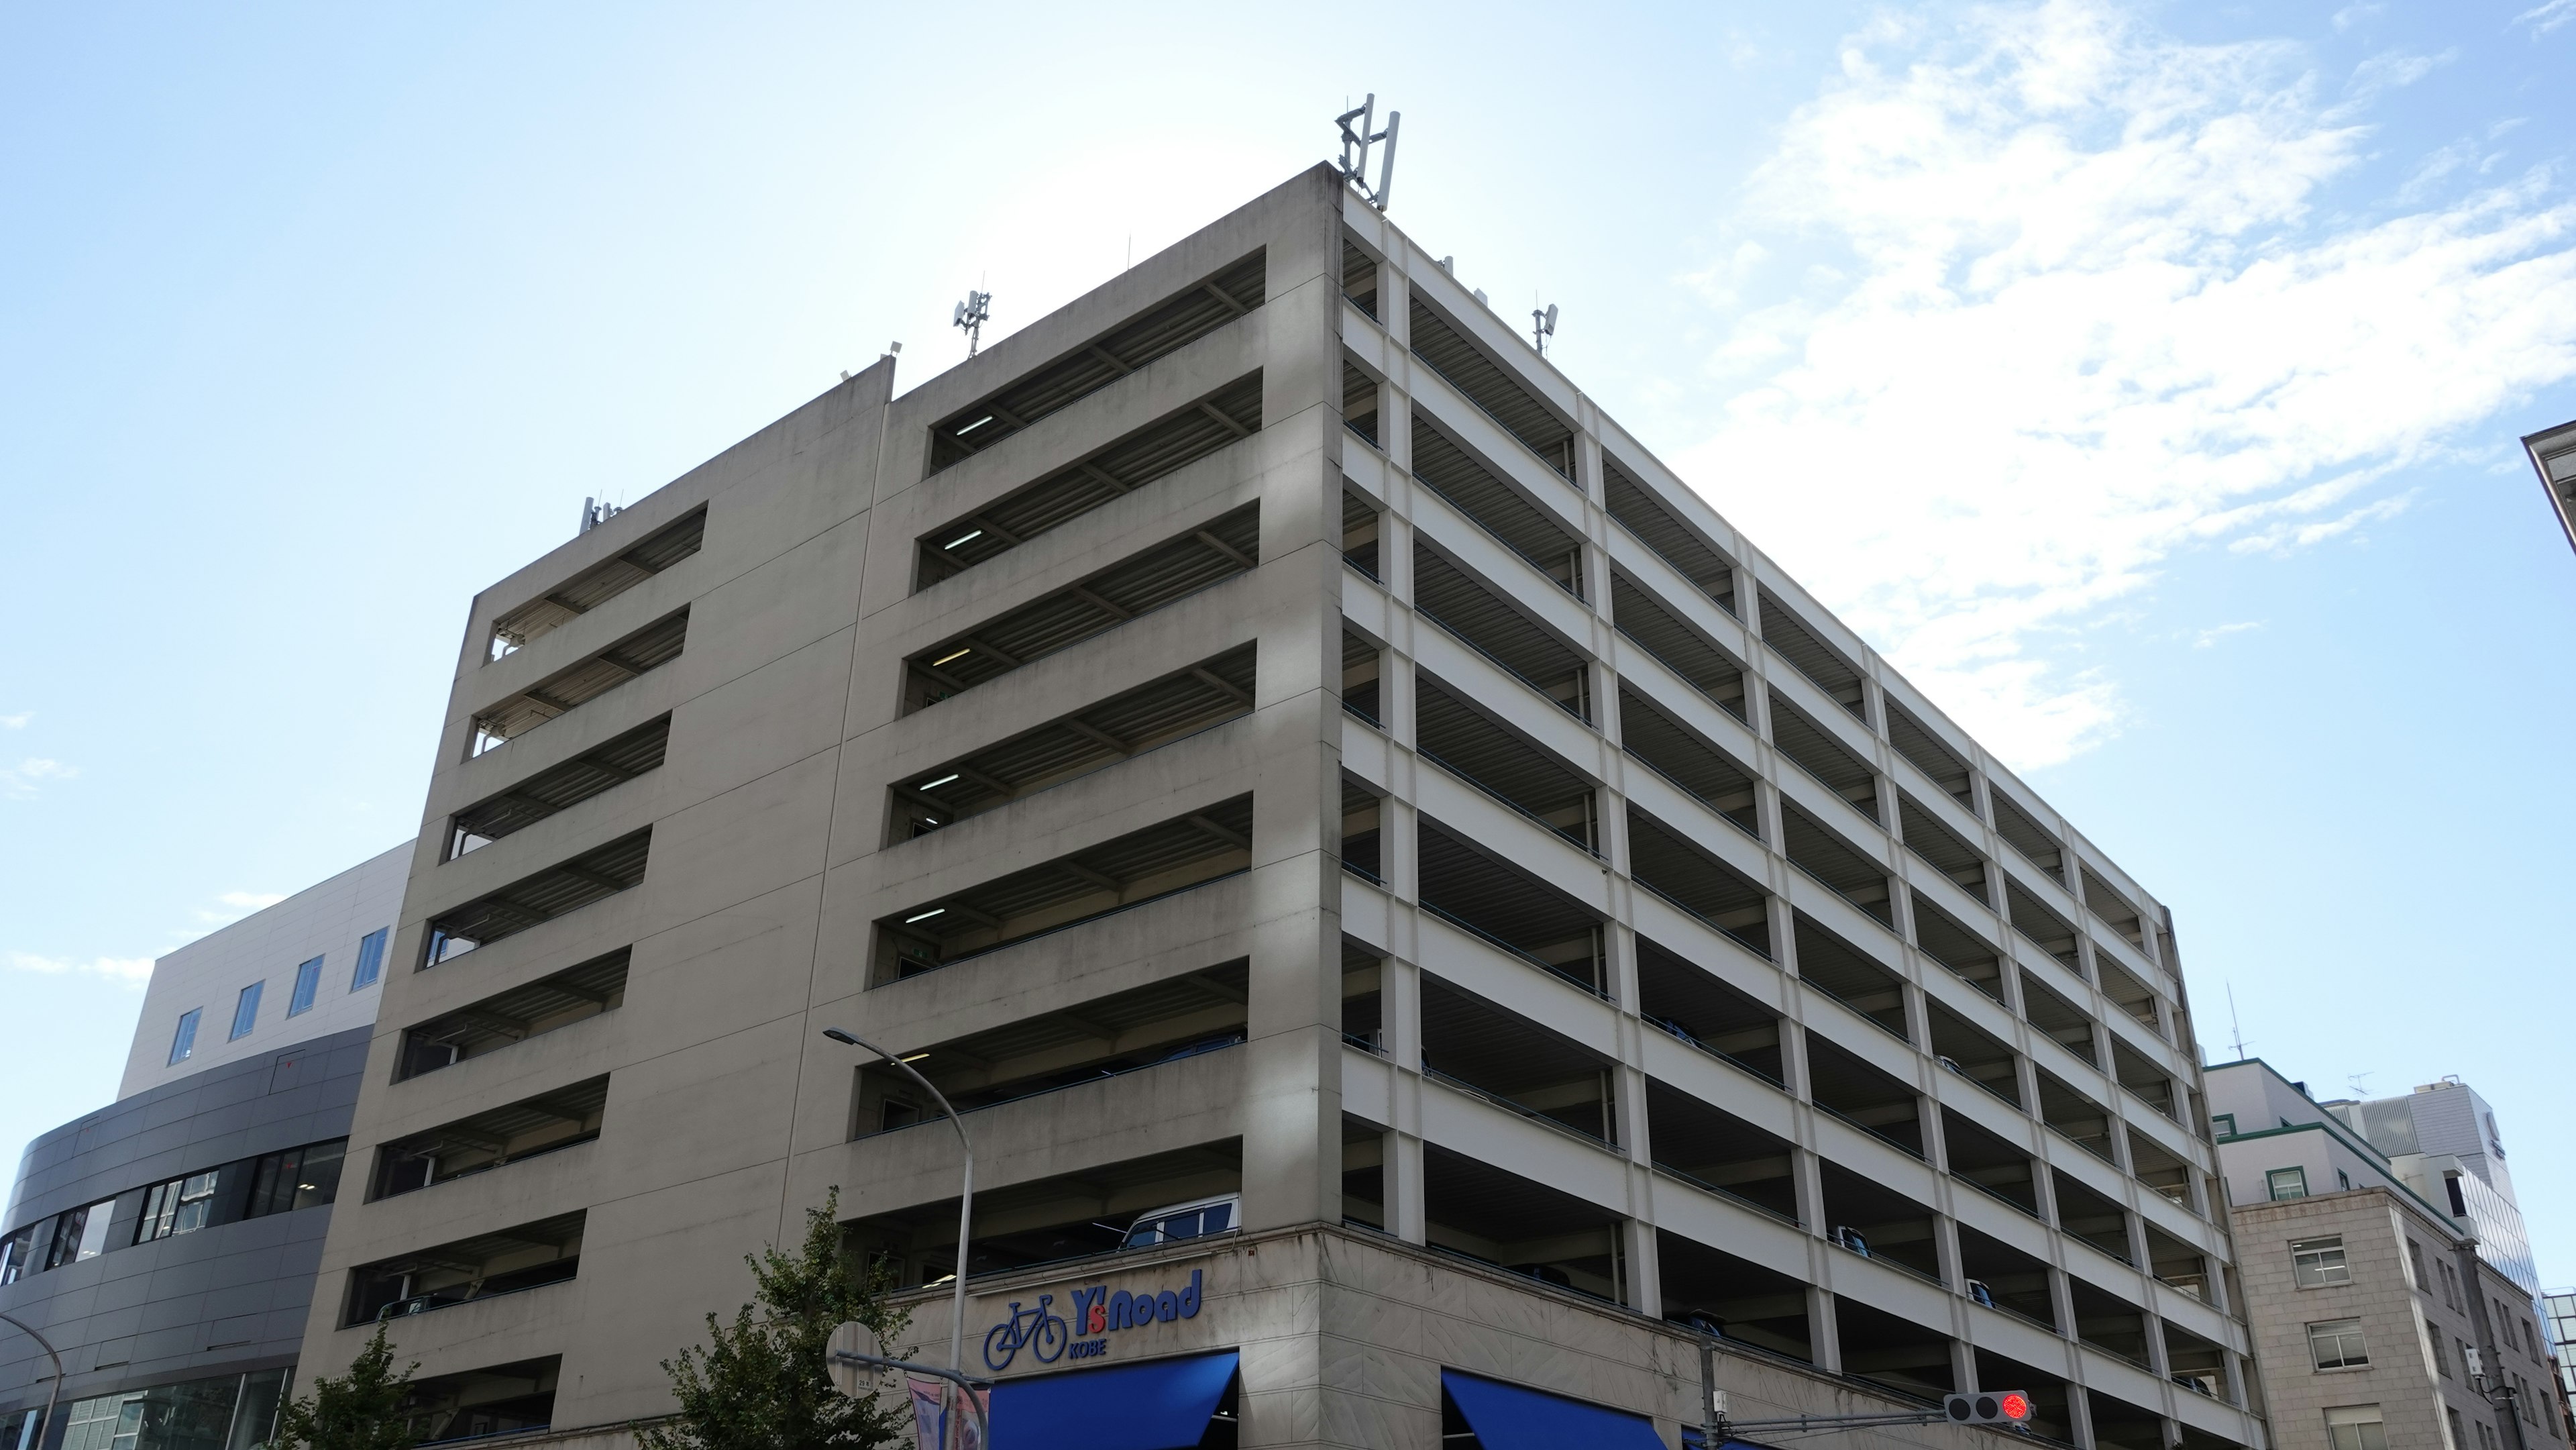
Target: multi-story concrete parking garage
(1423, 920)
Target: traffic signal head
(1988, 1407)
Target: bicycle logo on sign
(1040, 1331)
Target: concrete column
(1644, 1286)
(1291, 1112)
(1404, 1188)
(1824, 1338)
(1963, 1365)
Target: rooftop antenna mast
(971, 315)
(2233, 1026)
(1355, 150)
(1542, 327)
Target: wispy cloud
(2212, 635)
(17, 721)
(2065, 304)
(2546, 18)
(18, 782)
(127, 971)
(2392, 70)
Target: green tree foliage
(360, 1411)
(764, 1382)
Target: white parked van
(1185, 1221)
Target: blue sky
(2145, 380)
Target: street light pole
(965, 1192)
(51, 1395)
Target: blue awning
(1162, 1404)
(1508, 1417)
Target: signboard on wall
(1088, 1326)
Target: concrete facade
(229, 1299)
(324, 922)
(2427, 1308)
(1310, 754)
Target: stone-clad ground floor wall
(1343, 1336)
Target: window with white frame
(308, 981)
(246, 1011)
(2319, 1263)
(2336, 1344)
(183, 1041)
(371, 958)
(2356, 1427)
(2283, 1183)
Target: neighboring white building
(2443, 1140)
(2380, 1317)
(303, 968)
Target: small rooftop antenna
(1355, 149)
(2354, 1081)
(971, 315)
(1542, 327)
(2233, 1026)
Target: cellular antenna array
(1542, 327)
(1355, 150)
(971, 315)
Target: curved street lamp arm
(51, 1395)
(965, 1195)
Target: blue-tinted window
(308, 980)
(246, 1011)
(183, 1043)
(371, 958)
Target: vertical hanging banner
(972, 1416)
(946, 1415)
(929, 1410)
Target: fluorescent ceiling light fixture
(925, 916)
(978, 423)
(959, 655)
(916, 1057)
(965, 538)
(943, 780)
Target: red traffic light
(1994, 1407)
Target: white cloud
(2211, 636)
(17, 721)
(2392, 70)
(17, 782)
(2546, 18)
(2061, 305)
(127, 971)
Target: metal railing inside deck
(1533, 817)
(1179, 1054)
(1459, 635)
(1728, 1194)
(1469, 399)
(1683, 675)
(1492, 940)
(1896, 1143)
(1522, 1110)
(923, 966)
